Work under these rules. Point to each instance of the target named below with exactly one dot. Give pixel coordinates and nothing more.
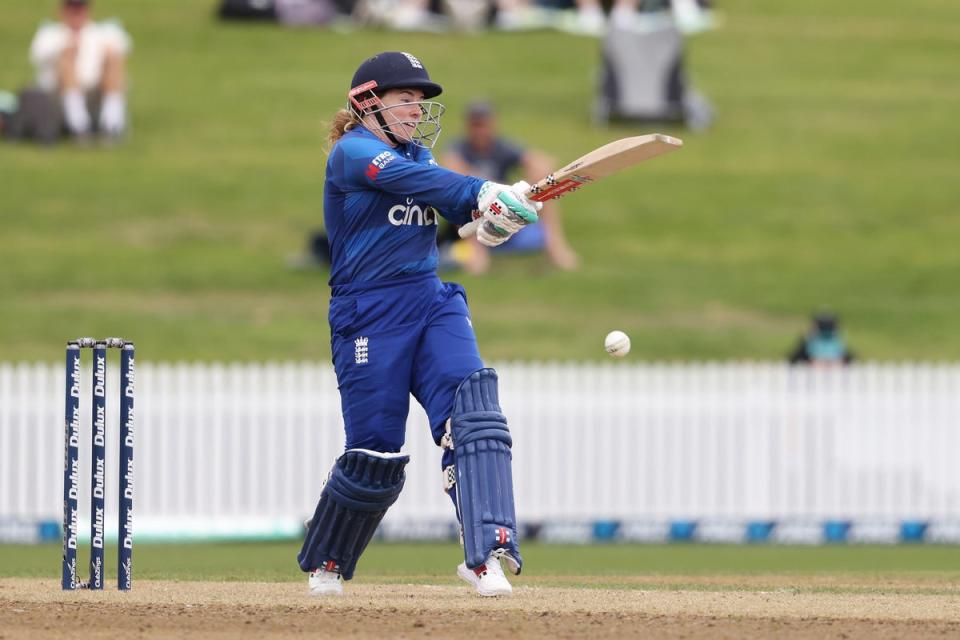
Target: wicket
(71, 466)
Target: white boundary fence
(239, 450)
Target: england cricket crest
(361, 350)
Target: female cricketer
(396, 329)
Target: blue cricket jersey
(380, 205)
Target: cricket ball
(617, 344)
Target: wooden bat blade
(601, 162)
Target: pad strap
(361, 487)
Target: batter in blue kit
(397, 330)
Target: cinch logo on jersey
(416, 64)
(411, 214)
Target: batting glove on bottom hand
(505, 210)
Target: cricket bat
(599, 163)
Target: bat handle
(470, 228)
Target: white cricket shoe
(326, 581)
(488, 578)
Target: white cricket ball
(617, 344)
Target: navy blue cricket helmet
(395, 70)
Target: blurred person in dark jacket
(822, 344)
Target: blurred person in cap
(822, 344)
(80, 77)
(483, 152)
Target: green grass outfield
(829, 179)
(545, 564)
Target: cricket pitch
(647, 606)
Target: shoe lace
(329, 571)
(493, 566)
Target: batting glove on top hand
(505, 211)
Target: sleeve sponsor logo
(383, 159)
(378, 163)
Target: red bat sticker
(557, 190)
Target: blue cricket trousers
(393, 338)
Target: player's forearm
(451, 193)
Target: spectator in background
(584, 17)
(80, 78)
(581, 17)
(8, 107)
(483, 153)
(688, 16)
(822, 345)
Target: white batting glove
(505, 211)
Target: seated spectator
(247, 10)
(822, 345)
(80, 78)
(316, 254)
(8, 107)
(483, 153)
